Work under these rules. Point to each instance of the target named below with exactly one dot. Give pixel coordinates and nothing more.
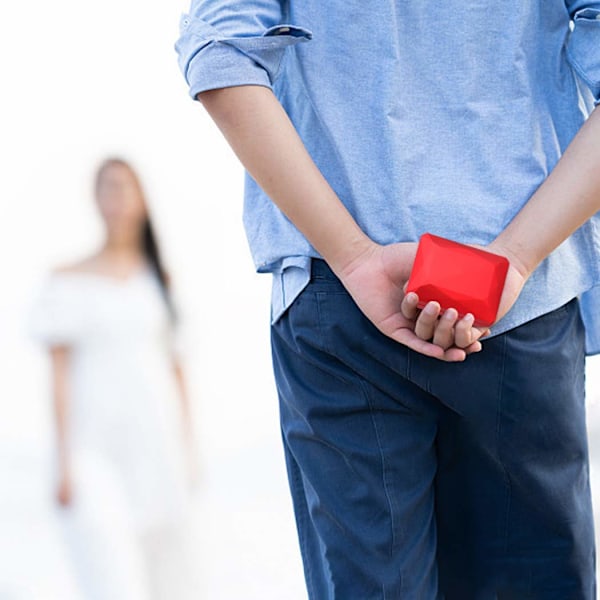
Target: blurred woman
(122, 414)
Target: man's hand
(443, 329)
(376, 279)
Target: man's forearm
(569, 197)
(266, 142)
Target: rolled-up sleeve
(583, 45)
(223, 44)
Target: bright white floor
(247, 548)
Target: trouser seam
(498, 452)
(302, 525)
(388, 495)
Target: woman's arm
(60, 392)
(187, 417)
(266, 142)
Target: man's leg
(513, 502)
(513, 497)
(360, 448)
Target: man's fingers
(427, 321)
(444, 333)
(453, 354)
(408, 307)
(409, 339)
(473, 348)
(440, 342)
(463, 332)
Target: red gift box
(458, 276)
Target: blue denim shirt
(437, 118)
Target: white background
(81, 80)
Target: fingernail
(431, 309)
(412, 298)
(469, 317)
(450, 314)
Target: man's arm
(571, 193)
(567, 198)
(266, 142)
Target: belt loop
(319, 269)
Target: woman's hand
(64, 490)
(376, 279)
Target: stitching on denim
(504, 469)
(324, 345)
(340, 359)
(386, 484)
(302, 528)
(320, 344)
(363, 388)
(320, 296)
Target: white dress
(124, 422)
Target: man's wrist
(519, 257)
(342, 258)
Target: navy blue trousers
(421, 480)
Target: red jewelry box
(458, 276)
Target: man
(420, 467)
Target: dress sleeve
(583, 45)
(223, 44)
(56, 316)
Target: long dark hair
(150, 245)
